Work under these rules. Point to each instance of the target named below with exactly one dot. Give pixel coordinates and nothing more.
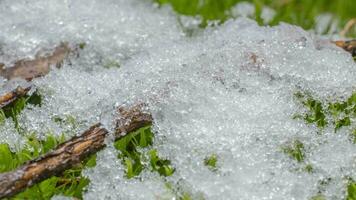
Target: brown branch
(131, 119)
(29, 69)
(72, 152)
(349, 46)
(65, 156)
(40, 66)
(11, 96)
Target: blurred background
(325, 17)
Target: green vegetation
(211, 162)
(340, 114)
(136, 151)
(315, 114)
(351, 191)
(295, 151)
(70, 183)
(111, 64)
(13, 109)
(318, 197)
(134, 154)
(82, 45)
(299, 12)
(162, 166)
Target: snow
(228, 90)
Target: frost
(9, 135)
(228, 91)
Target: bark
(64, 157)
(131, 119)
(40, 66)
(349, 46)
(72, 152)
(11, 96)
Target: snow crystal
(228, 91)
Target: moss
(211, 162)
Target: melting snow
(228, 90)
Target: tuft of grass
(181, 193)
(13, 109)
(70, 183)
(315, 111)
(162, 166)
(111, 64)
(134, 153)
(33, 148)
(82, 45)
(351, 191)
(341, 113)
(309, 168)
(318, 197)
(211, 162)
(295, 151)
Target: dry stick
(349, 46)
(40, 66)
(65, 156)
(29, 69)
(70, 153)
(11, 96)
(131, 119)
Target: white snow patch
(228, 91)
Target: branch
(131, 119)
(72, 152)
(29, 69)
(349, 46)
(11, 96)
(65, 156)
(40, 66)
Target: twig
(40, 66)
(131, 119)
(349, 46)
(72, 152)
(65, 156)
(9, 97)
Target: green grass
(70, 183)
(339, 114)
(318, 197)
(13, 109)
(323, 113)
(298, 12)
(211, 162)
(136, 155)
(351, 191)
(315, 114)
(295, 150)
(135, 149)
